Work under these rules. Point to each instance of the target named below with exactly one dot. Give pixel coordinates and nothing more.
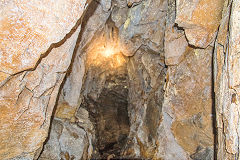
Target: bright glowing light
(108, 51)
(104, 52)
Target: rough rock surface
(189, 93)
(68, 107)
(66, 141)
(24, 38)
(187, 108)
(144, 25)
(28, 96)
(93, 21)
(176, 46)
(146, 81)
(226, 78)
(200, 20)
(105, 97)
(158, 103)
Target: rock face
(143, 25)
(226, 62)
(68, 111)
(146, 73)
(192, 114)
(200, 20)
(24, 38)
(66, 141)
(30, 84)
(174, 37)
(105, 92)
(152, 79)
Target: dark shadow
(214, 118)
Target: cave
(105, 97)
(110, 115)
(119, 79)
(103, 92)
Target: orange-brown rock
(226, 77)
(182, 54)
(190, 99)
(65, 111)
(176, 46)
(200, 20)
(29, 28)
(27, 98)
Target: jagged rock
(104, 95)
(190, 99)
(203, 154)
(146, 77)
(235, 46)
(69, 101)
(121, 3)
(200, 20)
(66, 141)
(156, 103)
(106, 5)
(25, 38)
(145, 25)
(70, 97)
(176, 46)
(119, 16)
(27, 99)
(226, 78)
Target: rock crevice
(119, 78)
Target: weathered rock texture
(200, 20)
(66, 141)
(145, 25)
(146, 73)
(173, 77)
(37, 43)
(192, 115)
(68, 108)
(29, 28)
(226, 78)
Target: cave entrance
(105, 94)
(109, 113)
(112, 116)
(168, 108)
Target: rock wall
(146, 81)
(226, 82)
(37, 43)
(182, 69)
(68, 113)
(190, 100)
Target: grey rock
(203, 154)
